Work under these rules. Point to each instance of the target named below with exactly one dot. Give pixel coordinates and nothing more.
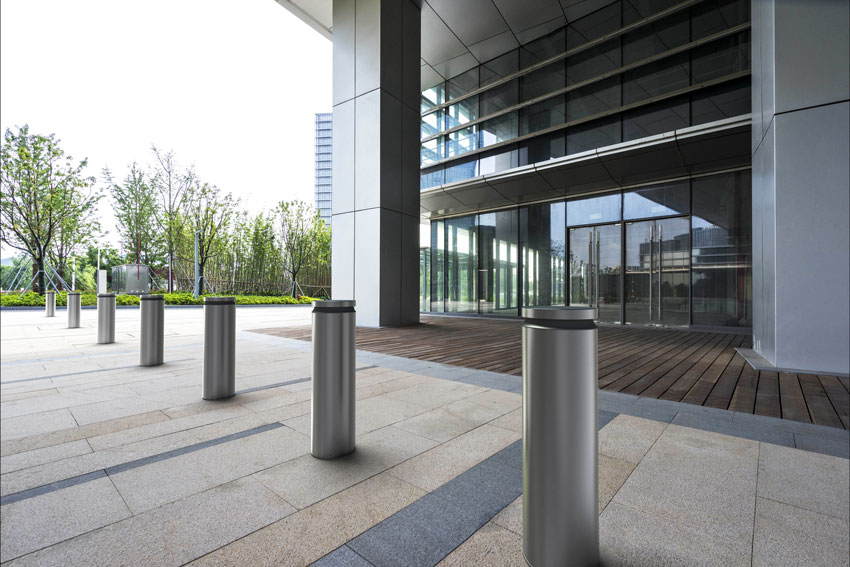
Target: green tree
(299, 235)
(71, 237)
(136, 207)
(207, 212)
(171, 183)
(42, 190)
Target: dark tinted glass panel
(542, 48)
(461, 265)
(462, 112)
(542, 244)
(499, 67)
(593, 210)
(461, 169)
(431, 124)
(542, 148)
(657, 78)
(656, 37)
(595, 25)
(432, 97)
(657, 201)
(431, 177)
(593, 62)
(596, 134)
(424, 276)
(721, 101)
(722, 250)
(432, 151)
(461, 141)
(712, 17)
(542, 115)
(462, 84)
(593, 99)
(498, 98)
(438, 266)
(722, 57)
(543, 81)
(498, 129)
(498, 252)
(497, 160)
(663, 116)
(634, 10)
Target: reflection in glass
(500, 67)
(664, 116)
(657, 78)
(722, 57)
(593, 210)
(593, 62)
(431, 177)
(542, 246)
(497, 98)
(543, 48)
(461, 265)
(595, 269)
(542, 81)
(542, 115)
(497, 160)
(721, 101)
(431, 124)
(462, 112)
(712, 17)
(431, 151)
(424, 278)
(594, 25)
(438, 275)
(593, 99)
(722, 250)
(651, 39)
(462, 84)
(596, 134)
(498, 251)
(499, 129)
(542, 148)
(433, 96)
(461, 141)
(461, 169)
(657, 201)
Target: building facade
(324, 165)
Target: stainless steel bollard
(560, 516)
(219, 347)
(153, 329)
(105, 318)
(50, 304)
(332, 429)
(73, 301)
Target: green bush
(31, 299)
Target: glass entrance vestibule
(676, 254)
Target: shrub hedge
(32, 299)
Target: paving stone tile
(491, 546)
(435, 394)
(444, 423)
(44, 455)
(616, 401)
(112, 409)
(379, 411)
(379, 388)
(313, 532)
(444, 462)
(497, 399)
(612, 474)
(811, 429)
(510, 456)
(41, 521)
(36, 423)
(510, 517)
(629, 438)
(819, 483)
(824, 446)
(511, 420)
(798, 537)
(628, 537)
(766, 435)
(175, 533)
(29, 394)
(342, 557)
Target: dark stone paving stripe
(90, 372)
(270, 386)
(73, 481)
(342, 557)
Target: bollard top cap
(334, 304)
(106, 295)
(219, 300)
(49, 291)
(149, 297)
(73, 293)
(561, 313)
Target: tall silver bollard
(559, 445)
(105, 318)
(332, 431)
(219, 347)
(73, 309)
(153, 329)
(50, 304)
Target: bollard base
(332, 457)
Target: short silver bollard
(50, 304)
(105, 318)
(73, 301)
(332, 428)
(219, 347)
(153, 329)
(560, 516)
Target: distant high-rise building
(324, 148)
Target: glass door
(595, 269)
(657, 285)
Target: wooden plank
(744, 397)
(767, 395)
(820, 408)
(701, 389)
(721, 394)
(791, 398)
(839, 397)
(682, 386)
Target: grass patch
(32, 299)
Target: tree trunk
(40, 263)
(200, 279)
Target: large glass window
(498, 98)
(656, 37)
(499, 129)
(542, 115)
(721, 57)
(542, 148)
(438, 265)
(721, 101)
(664, 116)
(461, 141)
(722, 250)
(431, 124)
(712, 17)
(461, 169)
(500, 67)
(542, 245)
(593, 62)
(543, 81)
(461, 265)
(657, 201)
(543, 48)
(593, 99)
(431, 177)
(461, 84)
(593, 210)
(497, 160)
(432, 96)
(499, 256)
(594, 25)
(658, 78)
(592, 135)
(462, 112)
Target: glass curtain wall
(461, 265)
(438, 266)
(542, 247)
(499, 267)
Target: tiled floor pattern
(173, 479)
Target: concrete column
(376, 159)
(801, 184)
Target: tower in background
(324, 149)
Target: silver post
(153, 327)
(73, 309)
(333, 420)
(560, 479)
(105, 318)
(50, 304)
(219, 347)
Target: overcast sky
(231, 86)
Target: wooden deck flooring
(685, 366)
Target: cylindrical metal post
(50, 304)
(559, 450)
(219, 347)
(73, 301)
(332, 430)
(153, 328)
(105, 318)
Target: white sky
(231, 86)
